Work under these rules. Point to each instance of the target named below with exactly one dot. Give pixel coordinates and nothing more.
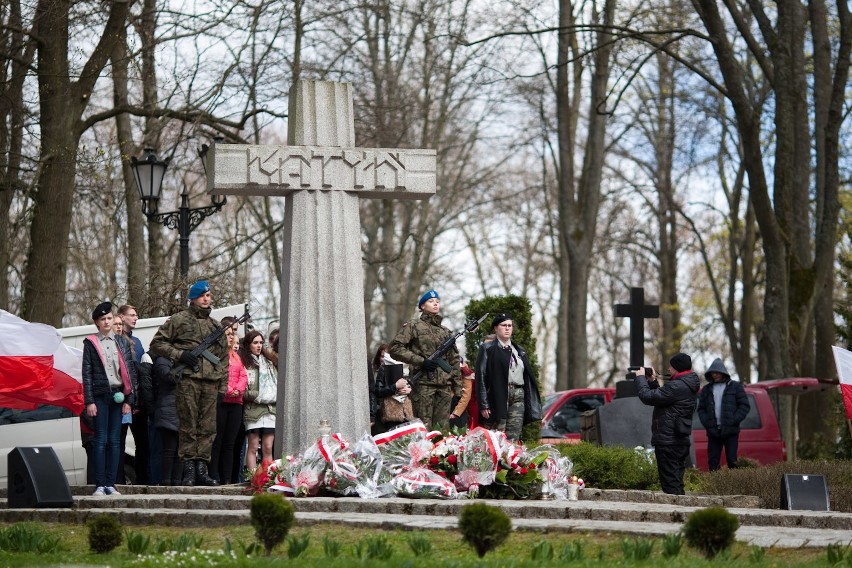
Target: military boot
(202, 477)
(189, 473)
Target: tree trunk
(137, 265)
(61, 104)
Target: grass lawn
(447, 550)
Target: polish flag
(843, 361)
(36, 367)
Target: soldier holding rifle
(200, 381)
(441, 378)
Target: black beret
(500, 318)
(681, 362)
(102, 310)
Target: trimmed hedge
(611, 467)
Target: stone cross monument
(637, 311)
(322, 373)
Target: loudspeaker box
(36, 479)
(804, 492)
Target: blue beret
(199, 289)
(428, 296)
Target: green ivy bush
(271, 516)
(484, 527)
(105, 533)
(711, 530)
(611, 467)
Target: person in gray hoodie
(722, 406)
(671, 422)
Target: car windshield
(549, 400)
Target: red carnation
(514, 466)
(524, 471)
(434, 460)
(452, 459)
(531, 465)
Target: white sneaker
(99, 492)
(111, 491)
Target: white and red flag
(843, 361)
(36, 367)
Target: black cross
(637, 311)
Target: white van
(58, 427)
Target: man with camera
(671, 425)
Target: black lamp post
(149, 172)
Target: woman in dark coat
(506, 388)
(166, 421)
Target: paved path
(629, 513)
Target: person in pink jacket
(229, 410)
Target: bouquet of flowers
(559, 470)
(372, 477)
(259, 479)
(423, 482)
(518, 475)
(443, 458)
(307, 473)
(403, 446)
(341, 475)
(280, 474)
(478, 456)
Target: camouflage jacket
(418, 339)
(183, 332)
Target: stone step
(637, 513)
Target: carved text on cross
(280, 170)
(637, 310)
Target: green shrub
(105, 533)
(542, 551)
(710, 530)
(637, 549)
(297, 545)
(419, 545)
(271, 516)
(572, 552)
(28, 537)
(484, 527)
(672, 543)
(611, 467)
(330, 547)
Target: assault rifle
(203, 348)
(438, 355)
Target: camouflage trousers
(196, 410)
(514, 422)
(432, 404)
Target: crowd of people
(192, 417)
(501, 393)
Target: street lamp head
(149, 172)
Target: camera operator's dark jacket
(492, 384)
(735, 405)
(674, 404)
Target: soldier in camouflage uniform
(432, 395)
(506, 388)
(196, 391)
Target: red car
(760, 435)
